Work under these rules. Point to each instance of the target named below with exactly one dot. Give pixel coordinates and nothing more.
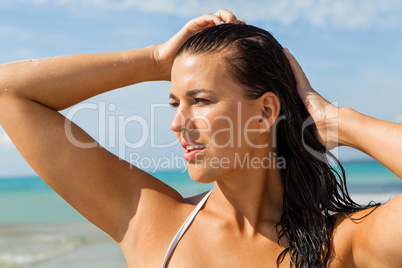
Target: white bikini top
(184, 228)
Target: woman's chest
(205, 245)
(202, 248)
(220, 247)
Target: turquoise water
(31, 200)
(371, 177)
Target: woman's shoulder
(371, 237)
(150, 234)
(166, 214)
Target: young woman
(238, 110)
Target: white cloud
(7, 3)
(350, 14)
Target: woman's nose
(183, 120)
(176, 125)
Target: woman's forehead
(206, 63)
(201, 73)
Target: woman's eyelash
(173, 105)
(197, 100)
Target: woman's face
(214, 123)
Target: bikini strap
(184, 228)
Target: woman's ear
(270, 109)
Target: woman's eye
(200, 100)
(174, 105)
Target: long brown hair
(313, 189)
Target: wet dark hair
(314, 190)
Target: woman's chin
(201, 174)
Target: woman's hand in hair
(165, 53)
(324, 114)
(344, 126)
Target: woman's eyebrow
(192, 93)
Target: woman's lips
(191, 151)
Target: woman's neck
(251, 197)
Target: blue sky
(350, 50)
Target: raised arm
(104, 189)
(346, 127)
(61, 82)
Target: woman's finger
(166, 52)
(298, 73)
(304, 88)
(222, 16)
(198, 24)
(226, 16)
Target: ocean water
(38, 229)
(31, 200)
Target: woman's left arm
(380, 139)
(377, 241)
(344, 126)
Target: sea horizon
(30, 199)
(151, 171)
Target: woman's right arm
(61, 82)
(95, 182)
(103, 188)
